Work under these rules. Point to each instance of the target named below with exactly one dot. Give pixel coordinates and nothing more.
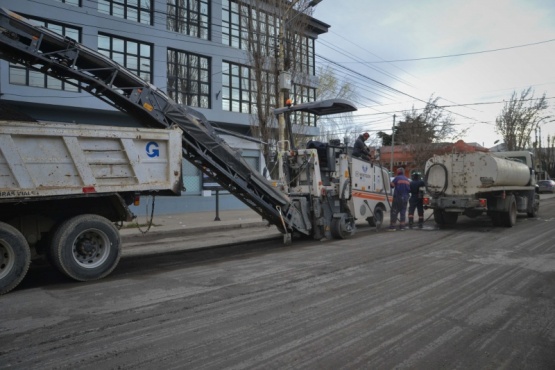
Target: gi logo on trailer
(152, 149)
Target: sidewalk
(192, 223)
(189, 231)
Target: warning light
(483, 202)
(426, 201)
(289, 102)
(137, 200)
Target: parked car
(546, 186)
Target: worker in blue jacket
(416, 201)
(401, 193)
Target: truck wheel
(15, 257)
(438, 217)
(86, 247)
(509, 216)
(341, 228)
(377, 219)
(535, 208)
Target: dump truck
(70, 224)
(471, 183)
(64, 186)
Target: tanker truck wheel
(534, 209)
(509, 217)
(15, 257)
(86, 247)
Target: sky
(399, 53)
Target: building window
(192, 179)
(134, 55)
(231, 24)
(71, 2)
(306, 53)
(239, 88)
(303, 94)
(134, 10)
(189, 17)
(242, 24)
(189, 78)
(20, 75)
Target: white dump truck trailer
(500, 184)
(62, 187)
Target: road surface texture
(467, 297)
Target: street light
(284, 77)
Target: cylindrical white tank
(467, 173)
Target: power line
(460, 54)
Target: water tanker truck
(500, 184)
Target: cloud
(418, 29)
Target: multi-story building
(194, 50)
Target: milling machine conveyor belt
(43, 50)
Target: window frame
(197, 76)
(188, 25)
(144, 10)
(127, 55)
(236, 18)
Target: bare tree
(338, 126)
(273, 32)
(420, 131)
(519, 118)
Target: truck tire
(86, 247)
(377, 219)
(15, 257)
(535, 208)
(342, 227)
(508, 217)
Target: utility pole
(392, 145)
(284, 77)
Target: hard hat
(416, 175)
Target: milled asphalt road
(467, 297)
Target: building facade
(194, 50)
